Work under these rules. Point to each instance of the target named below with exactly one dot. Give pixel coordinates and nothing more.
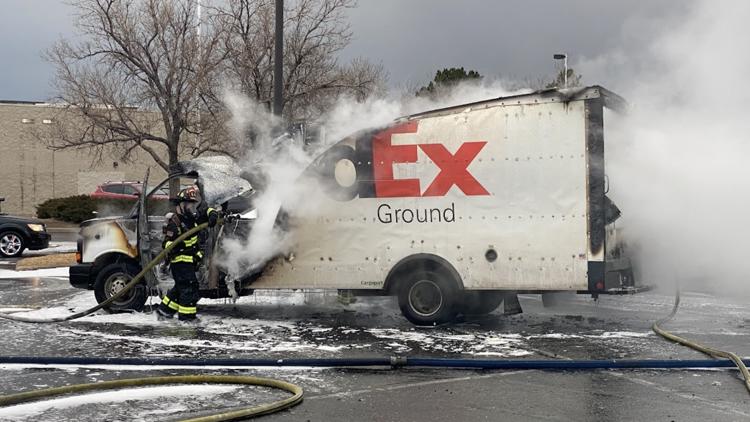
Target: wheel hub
(425, 298)
(115, 284)
(10, 244)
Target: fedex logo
(453, 167)
(372, 163)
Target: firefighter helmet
(189, 194)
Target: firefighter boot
(163, 315)
(167, 308)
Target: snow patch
(471, 344)
(59, 272)
(560, 336)
(621, 334)
(54, 248)
(124, 368)
(77, 303)
(602, 335)
(118, 396)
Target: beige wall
(32, 173)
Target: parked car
(18, 234)
(125, 190)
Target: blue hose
(571, 364)
(383, 361)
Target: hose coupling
(397, 361)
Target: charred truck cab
(111, 251)
(452, 211)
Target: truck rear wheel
(480, 302)
(428, 297)
(112, 279)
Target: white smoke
(250, 117)
(349, 115)
(677, 161)
(279, 161)
(276, 161)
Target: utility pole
(278, 61)
(199, 136)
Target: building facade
(31, 172)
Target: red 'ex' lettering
(453, 169)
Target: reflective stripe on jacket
(189, 249)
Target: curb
(46, 261)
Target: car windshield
(159, 206)
(154, 207)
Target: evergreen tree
(447, 79)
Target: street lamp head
(564, 57)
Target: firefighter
(186, 256)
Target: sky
(509, 39)
(410, 38)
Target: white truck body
(521, 178)
(452, 210)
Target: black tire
(480, 302)
(114, 277)
(428, 297)
(12, 244)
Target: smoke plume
(279, 161)
(677, 160)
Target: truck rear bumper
(80, 276)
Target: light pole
(278, 72)
(564, 57)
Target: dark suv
(18, 234)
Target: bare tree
(315, 32)
(135, 79)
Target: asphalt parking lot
(299, 325)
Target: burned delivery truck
(450, 210)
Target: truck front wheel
(112, 279)
(428, 298)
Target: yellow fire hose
(719, 354)
(184, 379)
(262, 409)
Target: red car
(125, 190)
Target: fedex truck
(451, 210)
